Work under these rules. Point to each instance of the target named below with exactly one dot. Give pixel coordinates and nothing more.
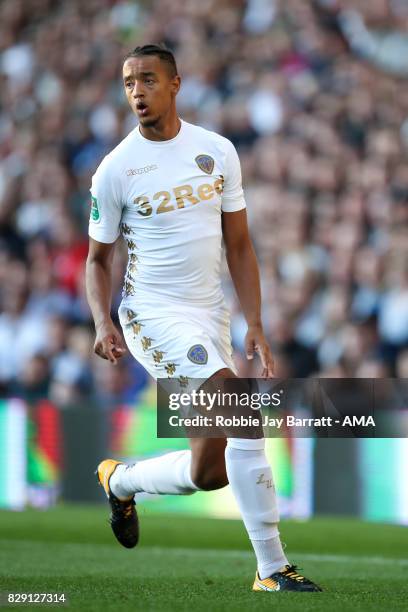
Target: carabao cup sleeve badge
(95, 214)
(198, 354)
(205, 163)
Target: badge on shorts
(197, 354)
(205, 163)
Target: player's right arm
(108, 341)
(103, 231)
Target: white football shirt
(166, 199)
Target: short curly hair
(160, 51)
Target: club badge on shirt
(205, 163)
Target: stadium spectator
(312, 101)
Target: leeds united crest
(205, 163)
(198, 354)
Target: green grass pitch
(197, 564)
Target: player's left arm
(244, 271)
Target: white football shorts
(180, 343)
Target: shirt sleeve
(233, 195)
(106, 207)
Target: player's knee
(210, 480)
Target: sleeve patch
(95, 213)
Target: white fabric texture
(269, 556)
(167, 474)
(250, 478)
(171, 333)
(166, 198)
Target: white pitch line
(237, 554)
(209, 552)
(351, 559)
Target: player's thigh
(206, 451)
(226, 384)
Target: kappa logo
(205, 163)
(198, 354)
(144, 170)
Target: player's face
(149, 88)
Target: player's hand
(108, 343)
(255, 341)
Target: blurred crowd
(313, 96)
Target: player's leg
(123, 519)
(250, 477)
(163, 344)
(208, 470)
(172, 339)
(166, 474)
(176, 473)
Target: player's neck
(165, 130)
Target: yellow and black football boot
(286, 580)
(123, 519)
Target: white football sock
(167, 474)
(251, 481)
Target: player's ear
(175, 84)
